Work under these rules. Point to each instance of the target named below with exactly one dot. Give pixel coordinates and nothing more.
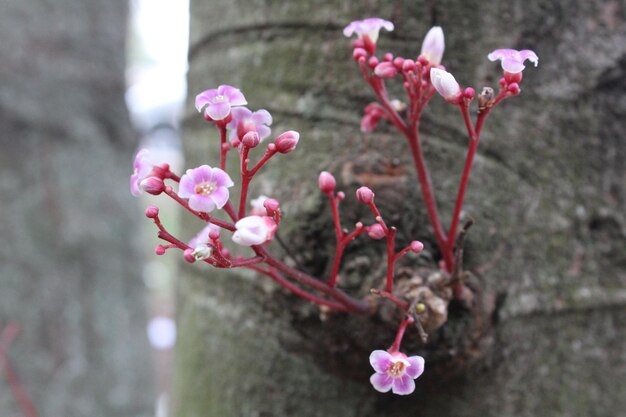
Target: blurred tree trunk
(68, 268)
(547, 194)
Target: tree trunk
(547, 194)
(68, 264)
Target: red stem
(223, 145)
(396, 343)
(429, 199)
(9, 334)
(299, 291)
(391, 241)
(352, 305)
(469, 158)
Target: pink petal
(205, 98)
(527, 54)
(262, 117)
(187, 185)
(263, 131)
(403, 385)
(380, 360)
(512, 65)
(135, 189)
(234, 95)
(221, 178)
(201, 174)
(381, 382)
(218, 111)
(219, 197)
(416, 368)
(201, 203)
(501, 54)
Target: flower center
(219, 99)
(205, 188)
(396, 369)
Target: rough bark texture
(68, 267)
(547, 193)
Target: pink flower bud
(469, 93)
(408, 65)
(214, 233)
(326, 182)
(251, 139)
(188, 256)
(271, 204)
(398, 62)
(364, 195)
(433, 46)
(372, 62)
(254, 230)
(385, 70)
(445, 84)
(417, 246)
(287, 141)
(359, 53)
(152, 212)
(159, 250)
(514, 89)
(152, 185)
(376, 231)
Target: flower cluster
(204, 191)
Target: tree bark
(547, 194)
(68, 264)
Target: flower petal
(263, 131)
(218, 111)
(262, 116)
(205, 98)
(219, 196)
(234, 95)
(187, 185)
(380, 360)
(527, 54)
(135, 188)
(221, 178)
(416, 367)
(403, 385)
(381, 382)
(201, 203)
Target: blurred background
(87, 310)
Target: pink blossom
(433, 46)
(386, 70)
(395, 371)
(445, 84)
(513, 60)
(205, 187)
(254, 230)
(217, 102)
(245, 120)
(141, 169)
(368, 27)
(326, 182)
(365, 195)
(287, 141)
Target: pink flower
(368, 27)
(141, 169)
(395, 371)
(244, 120)
(513, 60)
(205, 187)
(433, 46)
(218, 102)
(254, 230)
(445, 84)
(203, 237)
